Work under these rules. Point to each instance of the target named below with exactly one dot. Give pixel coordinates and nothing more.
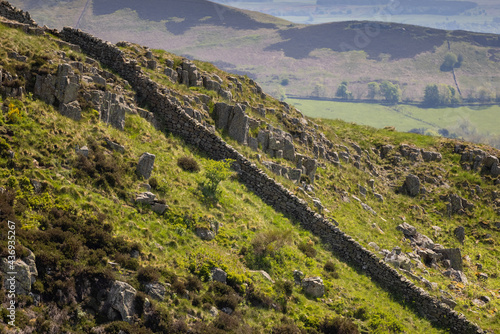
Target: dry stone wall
(173, 118)
(12, 13)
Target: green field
(479, 120)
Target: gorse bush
(188, 164)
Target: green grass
(481, 122)
(252, 235)
(242, 216)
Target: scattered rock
(219, 275)
(318, 205)
(457, 204)
(232, 119)
(114, 146)
(204, 233)
(313, 286)
(84, 150)
(227, 310)
(26, 274)
(374, 246)
(379, 197)
(459, 233)
(265, 274)
(146, 198)
(368, 208)
(398, 259)
(453, 255)
(411, 233)
(214, 312)
(145, 165)
(384, 150)
(482, 276)
(485, 299)
(362, 190)
(411, 186)
(155, 290)
(238, 127)
(456, 275)
(159, 207)
(431, 156)
(448, 301)
(298, 276)
(478, 302)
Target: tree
(390, 91)
(373, 89)
(431, 96)
(215, 172)
(450, 61)
(318, 91)
(343, 92)
(441, 95)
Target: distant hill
(190, 13)
(291, 59)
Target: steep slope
(200, 90)
(291, 59)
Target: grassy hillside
(83, 223)
(79, 217)
(477, 124)
(288, 58)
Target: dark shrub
(330, 266)
(188, 164)
(140, 299)
(148, 274)
(126, 261)
(153, 182)
(194, 284)
(179, 287)
(226, 322)
(338, 325)
(159, 321)
(285, 329)
(308, 249)
(258, 298)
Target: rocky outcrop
(25, 274)
(233, 120)
(60, 89)
(457, 204)
(112, 107)
(121, 302)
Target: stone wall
(172, 118)
(11, 13)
